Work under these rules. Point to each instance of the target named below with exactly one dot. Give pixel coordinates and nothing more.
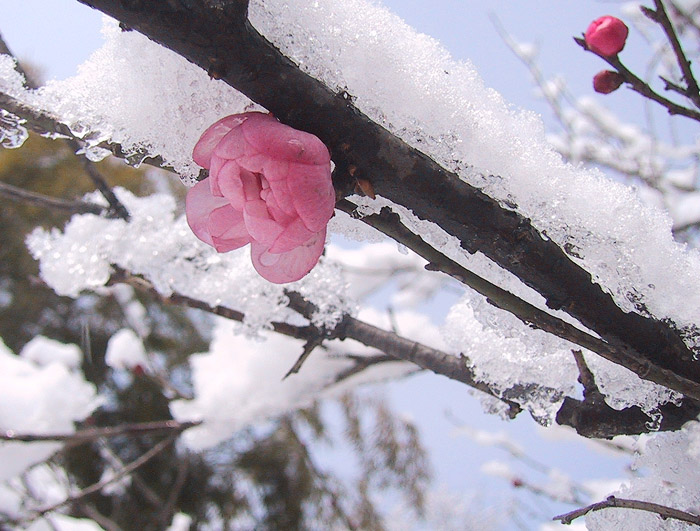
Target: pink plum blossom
(606, 35)
(269, 185)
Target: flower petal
(229, 183)
(260, 225)
(281, 142)
(290, 266)
(204, 148)
(312, 193)
(293, 235)
(227, 229)
(199, 205)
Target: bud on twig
(606, 36)
(607, 81)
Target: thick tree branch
(621, 503)
(224, 43)
(389, 223)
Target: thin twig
(660, 16)
(168, 508)
(642, 87)
(96, 487)
(91, 434)
(309, 346)
(77, 206)
(453, 367)
(140, 485)
(586, 376)
(91, 512)
(117, 208)
(621, 503)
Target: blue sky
(59, 34)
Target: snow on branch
(225, 44)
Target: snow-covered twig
(396, 346)
(116, 206)
(621, 503)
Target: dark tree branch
(231, 49)
(621, 503)
(75, 207)
(594, 418)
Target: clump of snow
(181, 522)
(39, 398)
(507, 358)
(43, 351)
(125, 350)
(240, 380)
(119, 95)
(160, 246)
(623, 388)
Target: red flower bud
(606, 36)
(607, 81)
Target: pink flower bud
(606, 36)
(607, 81)
(269, 185)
